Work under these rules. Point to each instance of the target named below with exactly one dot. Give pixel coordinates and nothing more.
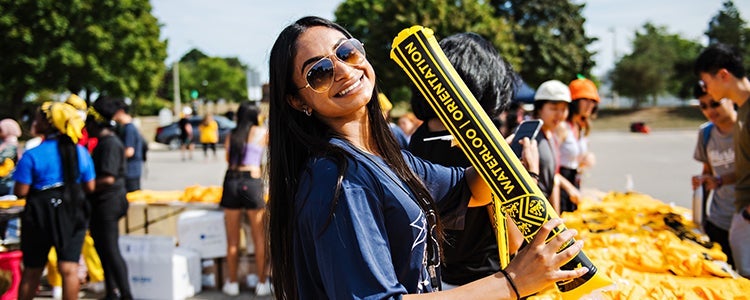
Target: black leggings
(209, 145)
(106, 234)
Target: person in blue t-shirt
(131, 138)
(53, 177)
(351, 214)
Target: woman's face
(352, 86)
(553, 113)
(586, 108)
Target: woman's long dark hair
(294, 138)
(72, 191)
(247, 117)
(65, 146)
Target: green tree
(110, 47)
(551, 36)
(213, 77)
(660, 63)
(728, 27)
(377, 22)
(683, 79)
(221, 80)
(193, 56)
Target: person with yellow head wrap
(82, 107)
(90, 257)
(53, 178)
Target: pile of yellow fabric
(197, 193)
(152, 197)
(651, 250)
(193, 193)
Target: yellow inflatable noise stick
(416, 50)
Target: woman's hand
(587, 161)
(538, 265)
(530, 155)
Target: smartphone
(529, 129)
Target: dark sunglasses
(712, 104)
(319, 76)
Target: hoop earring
(306, 111)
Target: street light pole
(176, 88)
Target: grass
(682, 117)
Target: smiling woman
(351, 215)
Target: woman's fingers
(544, 231)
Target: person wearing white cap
(551, 106)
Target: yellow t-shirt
(209, 132)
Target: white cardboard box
(203, 231)
(158, 270)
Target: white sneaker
(251, 280)
(263, 288)
(57, 292)
(231, 288)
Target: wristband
(534, 175)
(719, 181)
(512, 285)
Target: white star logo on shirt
(419, 224)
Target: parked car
(170, 134)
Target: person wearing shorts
(243, 190)
(53, 178)
(186, 138)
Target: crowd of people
(361, 207)
(357, 200)
(74, 174)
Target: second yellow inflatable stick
(416, 50)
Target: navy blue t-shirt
(131, 138)
(373, 247)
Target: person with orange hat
(574, 154)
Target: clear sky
(247, 29)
